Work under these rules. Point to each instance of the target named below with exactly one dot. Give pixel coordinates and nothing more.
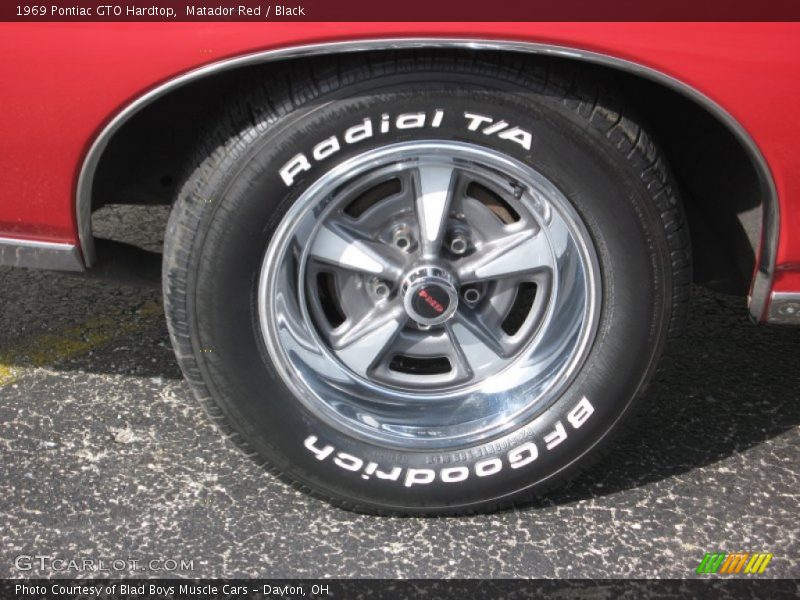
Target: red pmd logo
(431, 301)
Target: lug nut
(402, 239)
(381, 289)
(459, 244)
(471, 295)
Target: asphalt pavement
(105, 456)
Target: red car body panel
(63, 82)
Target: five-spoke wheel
(439, 274)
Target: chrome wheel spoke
(343, 249)
(484, 334)
(477, 349)
(363, 344)
(434, 190)
(458, 360)
(512, 255)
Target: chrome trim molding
(784, 308)
(40, 255)
(762, 282)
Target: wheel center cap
(429, 295)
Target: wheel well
(147, 157)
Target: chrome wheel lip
(338, 402)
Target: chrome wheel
(429, 295)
